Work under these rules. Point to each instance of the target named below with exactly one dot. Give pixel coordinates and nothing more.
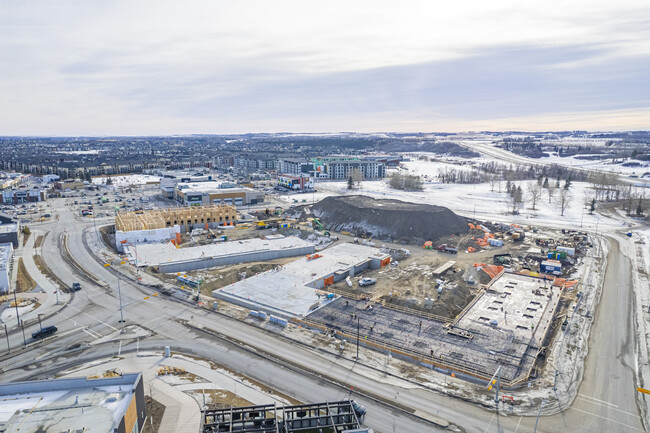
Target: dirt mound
(391, 220)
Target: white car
(367, 281)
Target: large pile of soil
(390, 220)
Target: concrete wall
(128, 380)
(9, 237)
(253, 256)
(145, 236)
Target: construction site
(158, 225)
(469, 300)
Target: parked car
(44, 332)
(367, 281)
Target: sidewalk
(44, 292)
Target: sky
(96, 67)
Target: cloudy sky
(97, 67)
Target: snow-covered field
(599, 164)
(477, 200)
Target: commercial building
(296, 183)
(104, 405)
(69, 184)
(9, 231)
(6, 254)
(170, 259)
(292, 290)
(22, 195)
(207, 193)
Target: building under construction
(505, 326)
(187, 218)
(344, 416)
(163, 225)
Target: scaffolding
(328, 417)
(185, 217)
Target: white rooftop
(63, 405)
(155, 254)
(208, 187)
(286, 289)
(520, 304)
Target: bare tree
(534, 193)
(492, 179)
(357, 176)
(564, 200)
(551, 192)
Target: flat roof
(209, 187)
(155, 254)
(60, 405)
(287, 290)
(8, 228)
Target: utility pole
(119, 293)
(7, 335)
(40, 325)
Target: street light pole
(119, 293)
(22, 325)
(358, 329)
(7, 335)
(16, 305)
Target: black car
(76, 286)
(44, 332)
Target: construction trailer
(329, 417)
(551, 267)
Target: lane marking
(491, 419)
(94, 318)
(89, 333)
(606, 419)
(517, 428)
(612, 406)
(600, 401)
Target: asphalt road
(605, 403)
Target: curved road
(606, 400)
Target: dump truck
(444, 248)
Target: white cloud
(83, 67)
